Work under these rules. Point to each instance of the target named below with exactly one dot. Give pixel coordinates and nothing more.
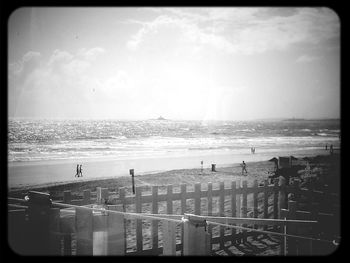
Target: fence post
(101, 195)
(138, 206)
(155, 222)
(244, 208)
(39, 205)
(197, 199)
(54, 226)
(266, 201)
(116, 231)
(99, 234)
(169, 205)
(281, 196)
(84, 223)
(169, 238)
(292, 229)
(222, 212)
(210, 208)
(17, 237)
(233, 210)
(183, 211)
(196, 238)
(255, 201)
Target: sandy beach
(50, 173)
(224, 172)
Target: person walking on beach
(77, 174)
(331, 149)
(80, 170)
(326, 146)
(244, 169)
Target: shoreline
(41, 173)
(256, 170)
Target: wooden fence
(79, 231)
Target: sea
(43, 140)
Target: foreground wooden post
(39, 224)
(196, 238)
(84, 223)
(54, 226)
(116, 231)
(99, 234)
(169, 238)
(292, 229)
(16, 231)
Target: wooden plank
(244, 208)
(99, 235)
(222, 211)
(282, 201)
(84, 230)
(266, 201)
(255, 201)
(155, 222)
(169, 238)
(210, 199)
(197, 199)
(139, 240)
(54, 226)
(233, 209)
(122, 197)
(116, 232)
(275, 202)
(169, 204)
(183, 211)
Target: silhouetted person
(326, 146)
(244, 169)
(77, 174)
(80, 170)
(331, 149)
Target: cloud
(241, 30)
(91, 54)
(306, 59)
(28, 61)
(59, 56)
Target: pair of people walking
(79, 171)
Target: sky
(194, 63)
